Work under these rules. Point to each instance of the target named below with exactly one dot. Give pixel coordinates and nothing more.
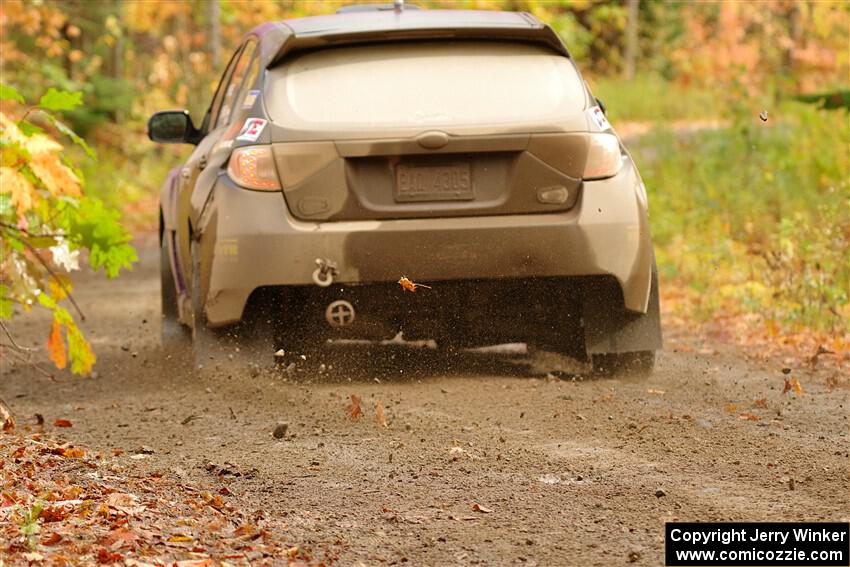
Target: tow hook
(325, 271)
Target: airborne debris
(354, 410)
(380, 416)
(280, 431)
(813, 360)
(408, 285)
(6, 420)
(792, 384)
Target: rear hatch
(427, 129)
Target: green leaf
(63, 128)
(5, 302)
(60, 100)
(28, 129)
(10, 93)
(13, 153)
(41, 241)
(46, 301)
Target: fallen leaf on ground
(120, 500)
(73, 453)
(120, 537)
(731, 408)
(380, 416)
(480, 508)
(654, 391)
(52, 539)
(354, 410)
(63, 423)
(105, 556)
(749, 417)
(194, 562)
(760, 403)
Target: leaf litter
(63, 505)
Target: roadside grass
(648, 98)
(755, 217)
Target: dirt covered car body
(459, 148)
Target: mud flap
(610, 328)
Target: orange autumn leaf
(23, 192)
(60, 286)
(7, 422)
(74, 453)
(795, 385)
(354, 410)
(62, 423)
(408, 284)
(792, 384)
(56, 346)
(749, 417)
(51, 539)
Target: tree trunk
(214, 31)
(631, 39)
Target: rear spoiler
(532, 32)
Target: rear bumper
(250, 240)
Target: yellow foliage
(23, 193)
(56, 176)
(44, 162)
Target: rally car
(458, 150)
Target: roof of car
(284, 37)
(401, 20)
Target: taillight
(603, 156)
(253, 167)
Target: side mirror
(173, 127)
(601, 106)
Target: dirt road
(565, 470)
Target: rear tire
(247, 345)
(173, 333)
(637, 364)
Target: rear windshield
(400, 85)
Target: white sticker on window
(251, 130)
(250, 98)
(598, 118)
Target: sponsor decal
(598, 118)
(251, 130)
(250, 99)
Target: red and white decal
(598, 118)
(251, 130)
